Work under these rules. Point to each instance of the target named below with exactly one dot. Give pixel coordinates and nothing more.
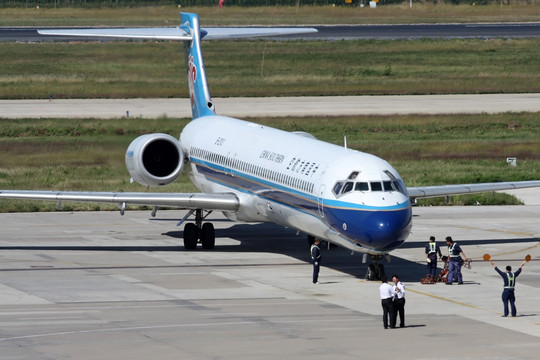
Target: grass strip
(88, 154)
(271, 15)
(269, 68)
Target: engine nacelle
(155, 159)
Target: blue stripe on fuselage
(376, 228)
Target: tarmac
(274, 106)
(91, 285)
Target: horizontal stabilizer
(248, 32)
(128, 33)
(178, 33)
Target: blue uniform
(432, 249)
(316, 259)
(454, 264)
(508, 295)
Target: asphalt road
(349, 32)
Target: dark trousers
(399, 308)
(388, 313)
(316, 267)
(508, 296)
(432, 268)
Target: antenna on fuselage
(345, 141)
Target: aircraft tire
(370, 274)
(208, 236)
(191, 236)
(380, 271)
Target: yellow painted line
(457, 302)
(516, 251)
(448, 300)
(516, 233)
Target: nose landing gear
(375, 270)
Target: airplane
(254, 173)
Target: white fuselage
(351, 198)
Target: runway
(73, 283)
(274, 106)
(353, 32)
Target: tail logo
(192, 78)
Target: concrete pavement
(271, 106)
(71, 283)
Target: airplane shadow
(410, 326)
(271, 238)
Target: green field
(271, 15)
(427, 150)
(270, 68)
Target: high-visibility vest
(511, 281)
(432, 248)
(311, 251)
(451, 251)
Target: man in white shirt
(387, 296)
(399, 301)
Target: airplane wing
(220, 202)
(448, 190)
(178, 33)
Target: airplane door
(320, 201)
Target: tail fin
(201, 102)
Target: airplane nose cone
(386, 230)
(381, 230)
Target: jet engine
(155, 159)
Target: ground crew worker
(508, 294)
(399, 301)
(387, 296)
(316, 259)
(456, 257)
(443, 275)
(432, 249)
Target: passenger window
(376, 186)
(361, 186)
(348, 187)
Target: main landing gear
(199, 232)
(375, 270)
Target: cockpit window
(361, 186)
(353, 183)
(399, 186)
(337, 187)
(349, 185)
(388, 186)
